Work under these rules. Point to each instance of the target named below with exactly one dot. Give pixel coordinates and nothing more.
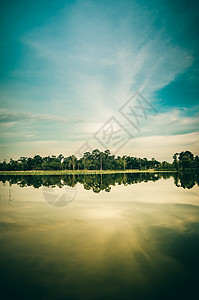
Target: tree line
(97, 160)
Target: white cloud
(10, 117)
(29, 135)
(163, 147)
(175, 121)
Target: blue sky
(68, 66)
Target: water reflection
(137, 242)
(101, 182)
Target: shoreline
(80, 172)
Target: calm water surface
(108, 237)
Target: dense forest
(97, 160)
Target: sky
(68, 68)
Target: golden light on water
(109, 243)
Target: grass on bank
(74, 172)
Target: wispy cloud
(172, 122)
(29, 135)
(103, 64)
(8, 117)
(163, 147)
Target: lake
(119, 236)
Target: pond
(119, 236)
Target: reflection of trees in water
(100, 182)
(186, 179)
